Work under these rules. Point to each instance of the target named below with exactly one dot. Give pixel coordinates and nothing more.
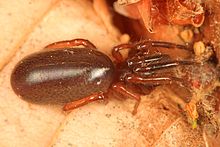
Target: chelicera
(75, 76)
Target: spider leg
(151, 80)
(116, 51)
(83, 101)
(161, 65)
(120, 87)
(147, 44)
(143, 47)
(71, 44)
(146, 59)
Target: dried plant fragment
(202, 81)
(181, 12)
(126, 2)
(187, 35)
(211, 29)
(202, 52)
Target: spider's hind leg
(71, 44)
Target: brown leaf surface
(157, 123)
(114, 125)
(29, 124)
(18, 18)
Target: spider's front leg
(146, 44)
(153, 67)
(149, 72)
(151, 80)
(143, 48)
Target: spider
(75, 76)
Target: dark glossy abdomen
(61, 76)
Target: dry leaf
(25, 124)
(18, 18)
(114, 125)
